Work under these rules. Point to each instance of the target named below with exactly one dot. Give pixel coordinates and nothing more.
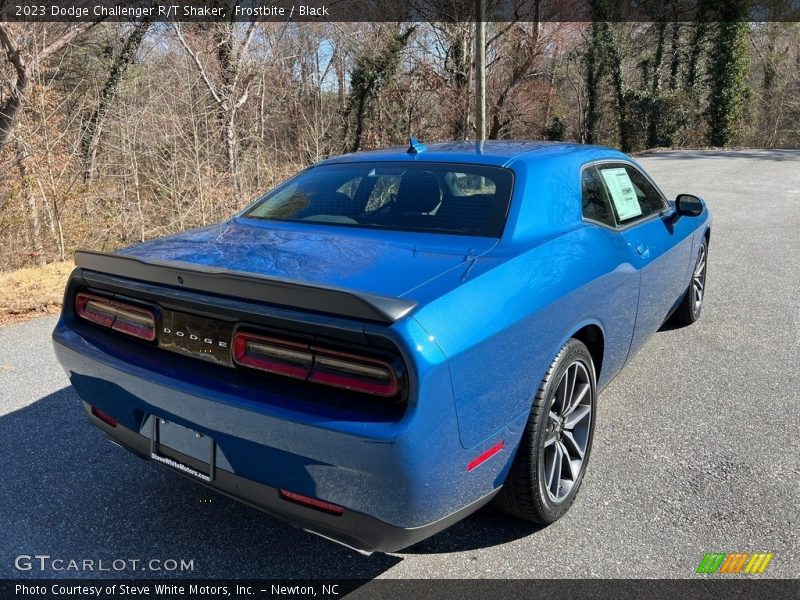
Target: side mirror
(689, 205)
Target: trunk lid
(383, 262)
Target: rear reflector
(104, 417)
(132, 320)
(327, 507)
(479, 460)
(311, 363)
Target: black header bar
(210, 11)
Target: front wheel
(554, 451)
(688, 310)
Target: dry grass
(32, 292)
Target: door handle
(643, 250)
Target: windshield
(434, 197)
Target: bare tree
(95, 122)
(232, 90)
(24, 62)
(521, 49)
(218, 112)
(373, 71)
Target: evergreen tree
(728, 73)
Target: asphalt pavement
(697, 443)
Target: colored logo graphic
(735, 563)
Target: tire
(689, 309)
(530, 491)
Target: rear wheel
(552, 456)
(689, 309)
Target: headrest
(418, 192)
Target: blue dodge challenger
(391, 339)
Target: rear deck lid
(386, 263)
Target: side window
(649, 198)
(596, 206)
(632, 196)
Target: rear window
(434, 197)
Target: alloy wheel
(567, 432)
(699, 279)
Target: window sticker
(622, 193)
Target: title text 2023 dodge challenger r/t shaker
(391, 339)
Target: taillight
(273, 356)
(320, 365)
(133, 320)
(353, 372)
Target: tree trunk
(654, 124)
(551, 89)
(360, 114)
(729, 70)
(770, 108)
(693, 66)
(91, 131)
(229, 131)
(341, 84)
(458, 67)
(523, 55)
(372, 72)
(229, 54)
(9, 113)
(10, 110)
(29, 200)
(594, 68)
(480, 76)
(675, 57)
(614, 61)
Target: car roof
(490, 152)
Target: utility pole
(480, 70)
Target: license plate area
(182, 449)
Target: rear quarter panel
(502, 318)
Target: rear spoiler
(248, 286)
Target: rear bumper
(398, 481)
(355, 530)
